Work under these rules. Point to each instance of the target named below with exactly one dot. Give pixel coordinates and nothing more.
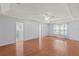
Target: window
(60, 29)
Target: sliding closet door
(31, 38)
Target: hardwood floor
(8, 50)
(51, 46)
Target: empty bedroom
(39, 29)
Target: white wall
(8, 29)
(44, 29)
(73, 31)
(50, 29)
(31, 30)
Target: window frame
(55, 30)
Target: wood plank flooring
(51, 46)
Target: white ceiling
(62, 12)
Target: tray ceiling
(35, 11)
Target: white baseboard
(6, 43)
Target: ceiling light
(47, 18)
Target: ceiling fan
(47, 16)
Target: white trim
(4, 44)
(40, 36)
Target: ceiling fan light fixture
(47, 18)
